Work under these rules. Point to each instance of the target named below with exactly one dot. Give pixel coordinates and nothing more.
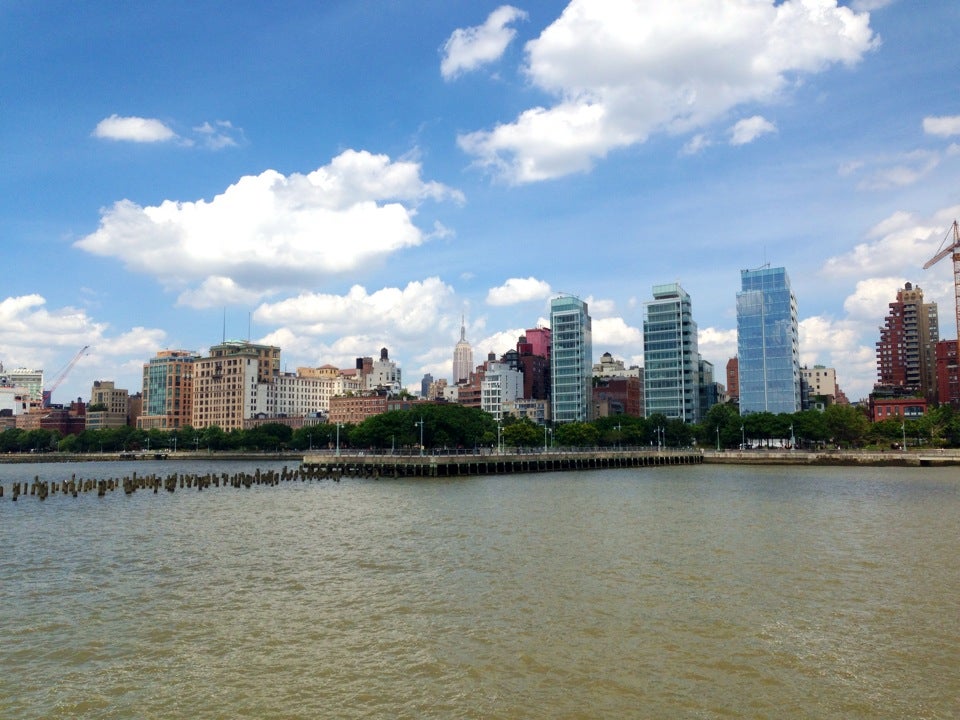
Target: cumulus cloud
(614, 332)
(900, 241)
(845, 345)
(718, 346)
(623, 69)
(270, 231)
(35, 336)
(749, 129)
(518, 290)
(943, 126)
(403, 312)
(133, 129)
(468, 48)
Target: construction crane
(953, 247)
(48, 394)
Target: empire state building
(462, 358)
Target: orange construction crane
(48, 394)
(953, 247)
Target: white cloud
(271, 231)
(896, 244)
(906, 169)
(517, 290)
(844, 345)
(403, 313)
(943, 126)
(468, 48)
(869, 5)
(33, 336)
(219, 135)
(614, 332)
(717, 346)
(623, 69)
(697, 144)
(133, 129)
(749, 129)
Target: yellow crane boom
(946, 249)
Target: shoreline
(878, 458)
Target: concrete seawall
(881, 458)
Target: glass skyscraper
(671, 374)
(571, 360)
(768, 346)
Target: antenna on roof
(224, 340)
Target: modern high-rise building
(907, 349)
(462, 358)
(571, 360)
(768, 342)
(168, 390)
(671, 377)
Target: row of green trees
(456, 427)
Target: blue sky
(337, 177)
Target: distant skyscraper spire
(462, 356)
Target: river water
(670, 592)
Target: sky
(342, 176)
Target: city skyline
(341, 178)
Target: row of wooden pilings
(42, 489)
(388, 466)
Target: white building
(500, 384)
(384, 373)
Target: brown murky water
(687, 592)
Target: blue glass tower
(768, 345)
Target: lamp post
(498, 436)
(174, 443)
(793, 442)
(903, 428)
(310, 441)
(545, 431)
(619, 426)
(392, 443)
(420, 423)
(339, 425)
(718, 438)
(743, 438)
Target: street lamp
(903, 428)
(420, 423)
(545, 431)
(743, 438)
(793, 442)
(310, 441)
(339, 425)
(718, 438)
(619, 426)
(392, 443)
(498, 436)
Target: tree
(846, 424)
(577, 434)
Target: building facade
(233, 384)
(768, 345)
(671, 378)
(501, 384)
(907, 348)
(167, 390)
(462, 358)
(571, 360)
(109, 406)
